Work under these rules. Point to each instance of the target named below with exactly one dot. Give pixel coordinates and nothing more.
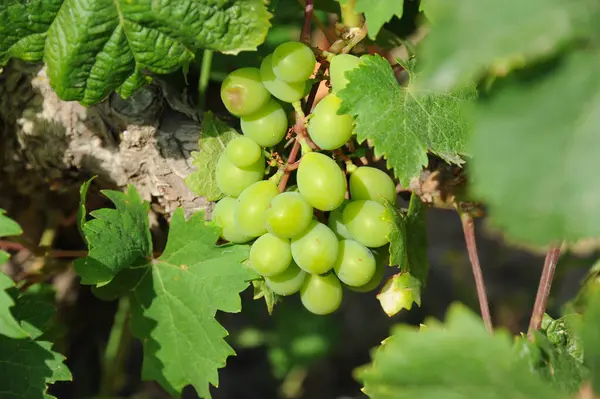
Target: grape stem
(292, 166)
(308, 13)
(468, 226)
(541, 298)
(359, 35)
(328, 35)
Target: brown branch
(328, 35)
(541, 299)
(308, 13)
(468, 226)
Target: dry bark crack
(49, 146)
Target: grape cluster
(294, 250)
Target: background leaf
(591, 340)
(213, 140)
(456, 360)
(536, 170)
(470, 37)
(29, 365)
(403, 123)
(378, 12)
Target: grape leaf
(93, 47)
(8, 227)
(472, 36)
(402, 122)
(457, 360)
(591, 340)
(213, 140)
(378, 12)
(28, 365)
(8, 325)
(116, 238)
(408, 250)
(537, 170)
(174, 305)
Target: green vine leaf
(408, 250)
(404, 123)
(96, 46)
(213, 140)
(591, 340)
(8, 227)
(29, 365)
(536, 170)
(456, 360)
(174, 298)
(377, 13)
(471, 37)
(8, 325)
(116, 238)
(174, 305)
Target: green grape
(328, 129)
(251, 207)
(243, 152)
(315, 250)
(321, 181)
(286, 92)
(288, 215)
(233, 180)
(270, 255)
(288, 282)
(355, 264)
(293, 62)
(367, 222)
(243, 92)
(336, 225)
(321, 294)
(223, 217)
(367, 183)
(338, 66)
(267, 126)
(382, 256)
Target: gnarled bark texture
(48, 147)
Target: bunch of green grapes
(292, 249)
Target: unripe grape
(367, 183)
(335, 224)
(382, 257)
(338, 66)
(328, 129)
(243, 152)
(321, 294)
(223, 217)
(321, 181)
(267, 126)
(355, 264)
(270, 255)
(287, 283)
(367, 222)
(251, 207)
(243, 92)
(288, 215)
(315, 250)
(293, 62)
(232, 180)
(285, 91)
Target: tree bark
(48, 147)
